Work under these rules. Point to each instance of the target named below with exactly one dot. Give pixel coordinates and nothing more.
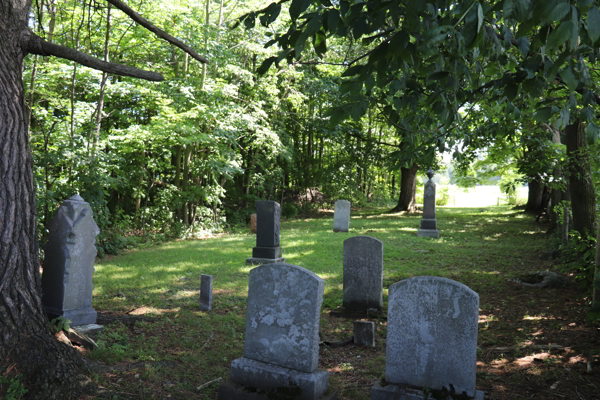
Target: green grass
(185, 347)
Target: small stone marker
(428, 222)
(281, 341)
(431, 339)
(363, 274)
(206, 292)
(69, 263)
(341, 216)
(364, 333)
(267, 248)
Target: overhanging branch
(158, 32)
(36, 45)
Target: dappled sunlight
(528, 360)
(328, 276)
(535, 317)
(185, 294)
(155, 311)
(248, 268)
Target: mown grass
(184, 347)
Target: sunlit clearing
(152, 310)
(528, 360)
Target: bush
(580, 256)
(289, 210)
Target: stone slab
(267, 224)
(341, 216)
(364, 333)
(395, 392)
(283, 317)
(267, 252)
(428, 224)
(261, 261)
(89, 329)
(432, 335)
(429, 200)
(363, 274)
(273, 378)
(205, 292)
(431, 233)
(233, 391)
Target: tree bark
(408, 186)
(51, 369)
(581, 186)
(596, 280)
(535, 197)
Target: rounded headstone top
(430, 173)
(76, 197)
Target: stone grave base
(261, 261)
(272, 378)
(81, 316)
(432, 233)
(395, 392)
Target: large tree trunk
(408, 188)
(581, 186)
(50, 368)
(596, 281)
(535, 197)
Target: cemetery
(441, 316)
(299, 200)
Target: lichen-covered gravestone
(428, 227)
(267, 248)
(281, 341)
(431, 340)
(363, 274)
(69, 263)
(341, 216)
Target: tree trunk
(534, 197)
(581, 186)
(596, 281)
(50, 368)
(408, 186)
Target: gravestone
(341, 216)
(267, 248)
(431, 340)
(363, 274)
(281, 340)
(364, 333)
(206, 292)
(428, 222)
(69, 263)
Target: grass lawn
(157, 344)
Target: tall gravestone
(431, 340)
(363, 274)
(341, 216)
(69, 263)
(267, 248)
(281, 341)
(428, 226)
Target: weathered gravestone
(428, 222)
(363, 274)
(69, 263)
(206, 292)
(341, 216)
(267, 248)
(431, 341)
(364, 333)
(281, 341)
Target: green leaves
(298, 7)
(560, 35)
(559, 12)
(593, 24)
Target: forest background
(189, 156)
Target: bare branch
(36, 45)
(158, 32)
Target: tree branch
(158, 32)
(36, 45)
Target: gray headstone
(428, 226)
(432, 335)
(69, 263)
(341, 216)
(206, 292)
(364, 333)
(363, 273)
(281, 340)
(267, 248)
